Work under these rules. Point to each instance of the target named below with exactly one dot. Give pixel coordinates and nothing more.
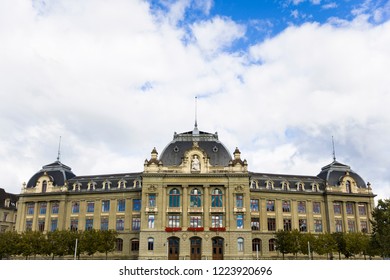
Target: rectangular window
(173, 220)
(151, 221)
(90, 206)
(271, 222)
(239, 200)
(74, 224)
(363, 226)
(30, 208)
(105, 206)
(152, 200)
(254, 205)
(362, 209)
(136, 224)
(240, 221)
(302, 225)
(318, 225)
(75, 207)
(121, 205)
(349, 208)
(286, 206)
(55, 207)
(28, 225)
(41, 225)
(195, 221)
(136, 205)
(351, 226)
(337, 208)
(317, 207)
(271, 205)
(42, 208)
(255, 223)
(104, 223)
(217, 221)
(89, 224)
(287, 224)
(339, 225)
(120, 224)
(53, 225)
(5, 215)
(301, 207)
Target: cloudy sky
(276, 78)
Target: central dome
(174, 152)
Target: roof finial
(334, 151)
(59, 150)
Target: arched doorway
(173, 248)
(217, 248)
(196, 248)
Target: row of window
(75, 208)
(284, 185)
(351, 225)
(349, 208)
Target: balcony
(218, 229)
(172, 229)
(151, 209)
(217, 209)
(174, 210)
(195, 209)
(239, 209)
(195, 229)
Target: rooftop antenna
(59, 150)
(334, 151)
(196, 112)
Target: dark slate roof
(333, 173)
(261, 178)
(131, 181)
(58, 172)
(174, 152)
(13, 199)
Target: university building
(196, 200)
(8, 210)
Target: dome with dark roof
(334, 172)
(57, 171)
(174, 152)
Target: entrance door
(217, 248)
(173, 248)
(196, 248)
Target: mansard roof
(217, 152)
(57, 171)
(335, 171)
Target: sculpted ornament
(195, 164)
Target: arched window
(272, 245)
(44, 186)
(134, 245)
(216, 198)
(300, 186)
(119, 244)
(150, 244)
(174, 198)
(240, 244)
(256, 245)
(348, 187)
(195, 198)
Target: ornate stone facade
(196, 201)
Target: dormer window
(44, 186)
(121, 184)
(300, 186)
(348, 187)
(284, 186)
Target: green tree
(58, 243)
(9, 242)
(89, 241)
(283, 242)
(381, 228)
(324, 244)
(355, 243)
(32, 243)
(341, 244)
(107, 240)
(304, 241)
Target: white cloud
(116, 80)
(328, 6)
(216, 34)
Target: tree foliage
(380, 241)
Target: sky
(114, 79)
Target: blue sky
(277, 79)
